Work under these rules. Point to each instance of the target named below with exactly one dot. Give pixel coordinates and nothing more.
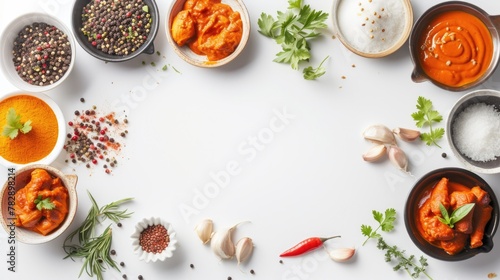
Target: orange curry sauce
(456, 48)
(466, 233)
(208, 27)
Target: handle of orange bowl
(417, 77)
(496, 21)
(72, 180)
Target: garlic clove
(398, 158)
(204, 230)
(375, 153)
(222, 243)
(406, 134)
(244, 248)
(342, 254)
(379, 134)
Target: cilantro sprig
(44, 203)
(385, 221)
(311, 73)
(426, 116)
(393, 254)
(14, 125)
(292, 29)
(457, 214)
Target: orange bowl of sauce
(455, 46)
(208, 33)
(468, 237)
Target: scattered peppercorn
(122, 264)
(82, 99)
(41, 54)
(119, 224)
(281, 261)
(252, 271)
(444, 155)
(124, 276)
(113, 252)
(140, 277)
(229, 278)
(191, 265)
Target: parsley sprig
(427, 116)
(457, 214)
(386, 222)
(14, 125)
(292, 29)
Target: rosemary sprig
(95, 249)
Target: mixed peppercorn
(154, 239)
(116, 27)
(41, 54)
(92, 139)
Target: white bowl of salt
(473, 131)
(372, 28)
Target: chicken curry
(41, 205)
(208, 27)
(468, 231)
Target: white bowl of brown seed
(37, 52)
(154, 239)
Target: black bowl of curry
(436, 197)
(455, 45)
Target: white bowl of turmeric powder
(473, 131)
(32, 128)
(195, 41)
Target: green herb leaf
(425, 116)
(311, 73)
(385, 221)
(292, 29)
(44, 203)
(14, 124)
(457, 214)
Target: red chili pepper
(306, 246)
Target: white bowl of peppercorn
(37, 52)
(154, 239)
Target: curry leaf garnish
(43, 203)
(95, 249)
(426, 116)
(292, 29)
(392, 253)
(457, 214)
(14, 125)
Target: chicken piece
(440, 195)
(455, 245)
(432, 227)
(458, 199)
(183, 27)
(52, 218)
(40, 179)
(481, 217)
(483, 197)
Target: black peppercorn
(444, 155)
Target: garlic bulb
(244, 248)
(407, 135)
(379, 134)
(204, 230)
(342, 254)
(398, 158)
(222, 243)
(375, 153)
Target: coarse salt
(476, 132)
(372, 26)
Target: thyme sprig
(95, 249)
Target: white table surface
(306, 178)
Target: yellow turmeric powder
(37, 143)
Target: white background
(307, 180)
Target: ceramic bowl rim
(7, 38)
(27, 237)
(200, 61)
(389, 51)
(61, 137)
